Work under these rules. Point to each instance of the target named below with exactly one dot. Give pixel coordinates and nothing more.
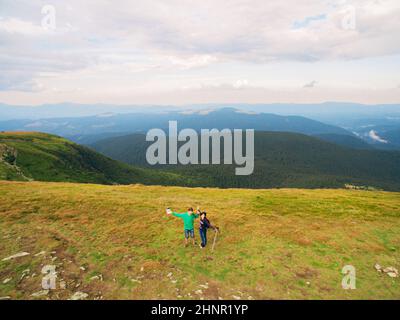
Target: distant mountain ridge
(69, 110)
(142, 122)
(85, 123)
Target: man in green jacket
(188, 221)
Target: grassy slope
(8, 172)
(47, 157)
(287, 243)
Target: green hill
(116, 242)
(44, 157)
(281, 160)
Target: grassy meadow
(274, 244)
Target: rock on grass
(79, 296)
(17, 255)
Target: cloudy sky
(183, 51)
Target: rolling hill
(116, 242)
(281, 160)
(44, 157)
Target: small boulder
(378, 267)
(79, 296)
(41, 253)
(40, 293)
(25, 273)
(5, 281)
(63, 285)
(98, 277)
(136, 280)
(391, 269)
(17, 255)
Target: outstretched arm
(179, 215)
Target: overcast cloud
(152, 51)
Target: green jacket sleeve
(179, 215)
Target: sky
(208, 51)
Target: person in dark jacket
(203, 226)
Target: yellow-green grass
(274, 244)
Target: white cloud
(374, 136)
(195, 61)
(311, 84)
(241, 83)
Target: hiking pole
(215, 239)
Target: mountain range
(87, 130)
(377, 126)
(290, 150)
(322, 111)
